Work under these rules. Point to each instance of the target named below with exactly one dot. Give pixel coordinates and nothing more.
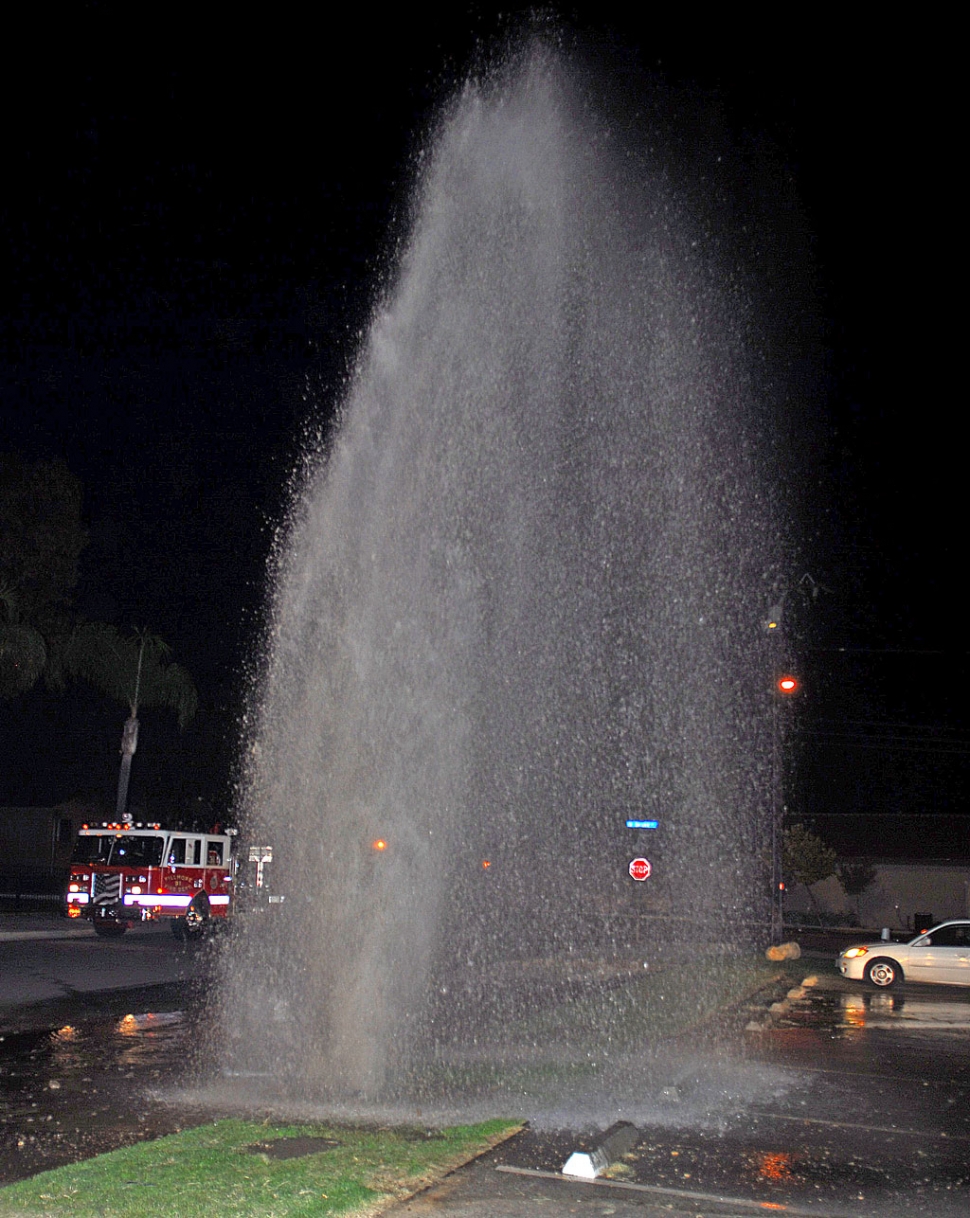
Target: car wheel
(109, 929)
(883, 973)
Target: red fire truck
(127, 873)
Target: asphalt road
(839, 1102)
(49, 964)
(875, 1120)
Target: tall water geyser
(517, 602)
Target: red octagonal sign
(640, 868)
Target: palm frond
(23, 656)
(131, 668)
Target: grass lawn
(560, 1047)
(658, 1006)
(230, 1169)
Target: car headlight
(851, 952)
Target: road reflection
(837, 1008)
(903, 1012)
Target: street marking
(888, 1078)
(909, 1133)
(772, 1207)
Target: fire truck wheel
(108, 929)
(197, 917)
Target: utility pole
(784, 686)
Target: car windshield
(92, 848)
(119, 850)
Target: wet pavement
(876, 1122)
(86, 1027)
(51, 965)
(870, 1114)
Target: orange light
(127, 1025)
(380, 844)
(486, 863)
(787, 684)
(775, 1166)
(74, 911)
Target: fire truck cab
(124, 873)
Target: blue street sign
(642, 824)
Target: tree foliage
(41, 539)
(806, 859)
(23, 650)
(855, 876)
(132, 668)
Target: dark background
(196, 217)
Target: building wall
(899, 892)
(36, 845)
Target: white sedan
(940, 955)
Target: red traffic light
(787, 684)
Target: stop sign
(640, 868)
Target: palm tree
(23, 652)
(135, 670)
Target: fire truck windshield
(119, 850)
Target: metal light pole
(784, 685)
(777, 815)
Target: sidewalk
(16, 927)
(492, 1186)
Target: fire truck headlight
(73, 888)
(136, 890)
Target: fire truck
(127, 873)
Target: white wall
(896, 895)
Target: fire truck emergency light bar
(105, 825)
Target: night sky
(195, 223)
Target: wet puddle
(82, 1089)
(866, 1117)
(844, 1012)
